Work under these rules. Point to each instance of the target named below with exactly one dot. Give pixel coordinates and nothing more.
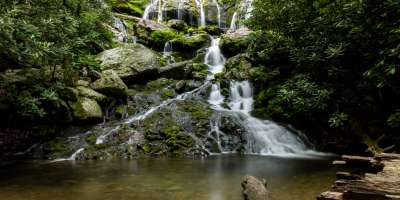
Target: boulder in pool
(254, 189)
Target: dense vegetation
(339, 64)
(330, 68)
(53, 41)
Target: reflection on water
(215, 178)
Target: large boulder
(254, 189)
(133, 63)
(233, 43)
(91, 94)
(24, 76)
(180, 71)
(85, 109)
(191, 43)
(110, 84)
(238, 68)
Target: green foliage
(299, 96)
(394, 120)
(338, 120)
(162, 36)
(348, 50)
(58, 37)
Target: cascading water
(214, 58)
(218, 13)
(167, 53)
(180, 8)
(233, 22)
(149, 9)
(264, 137)
(200, 6)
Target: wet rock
(179, 71)
(177, 24)
(254, 189)
(132, 63)
(233, 43)
(191, 43)
(238, 68)
(85, 109)
(110, 84)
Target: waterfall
(233, 22)
(161, 7)
(167, 53)
(264, 137)
(180, 8)
(219, 13)
(200, 5)
(214, 58)
(150, 8)
(71, 158)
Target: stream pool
(213, 178)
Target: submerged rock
(254, 189)
(110, 84)
(132, 63)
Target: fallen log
(381, 184)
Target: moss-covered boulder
(233, 43)
(179, 71)
(238, 68)
(85, 109)
(91, 94)
(191, 43)
(132, 63)
(131, 7)
(110, 84)
(177, 24)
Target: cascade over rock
(132, 63)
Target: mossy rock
(132, 63)
(56, 148)
(91, 94)
(85, 109)
(238, 68)
(110, 84)
(235, 43)
(131, 7)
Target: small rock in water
(254, 189)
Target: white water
(264, 137)
(214, 58)
(180, 8)
(167, 53)
(219, 13)
(71, 158)
(233, 26)
(149, 9)
(200, 6)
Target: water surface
(214, 178)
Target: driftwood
(377, 179)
